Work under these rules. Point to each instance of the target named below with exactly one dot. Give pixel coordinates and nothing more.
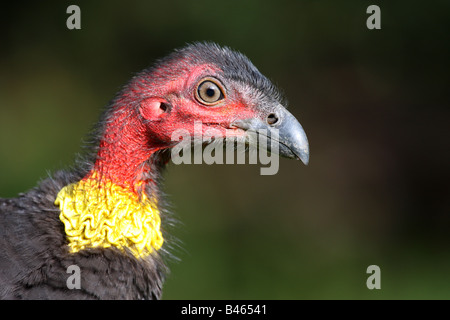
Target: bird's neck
(113, 205)
(124, 152)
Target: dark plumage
(130, 147)
(34, 256)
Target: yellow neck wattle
(105, 214)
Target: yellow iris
(104, 215)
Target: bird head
(205, 83)
(218, 87)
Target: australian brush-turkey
(106, 216)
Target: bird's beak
(286, 131)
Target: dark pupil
(210, 92)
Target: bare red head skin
(158, 101)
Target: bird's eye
(209, 92)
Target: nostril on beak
(272, 119)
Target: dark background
(374, 104)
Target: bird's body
(34, 256)
(106, 216)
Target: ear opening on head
(153, 108)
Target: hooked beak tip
(303, 157)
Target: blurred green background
(374, 104)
